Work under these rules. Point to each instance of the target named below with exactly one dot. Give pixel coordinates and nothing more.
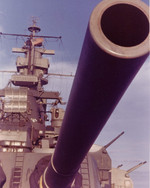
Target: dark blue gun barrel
(115, 47)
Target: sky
(69, 19)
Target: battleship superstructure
(33, 154)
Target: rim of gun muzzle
(115, 47)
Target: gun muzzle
(115, 47)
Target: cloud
(6, 63)
(2, 54)
(1, 26)
(143, 77)
(1, 12)
(63, 67)
(1, 29)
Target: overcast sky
(69, 19)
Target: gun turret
(121, 178)
(135, 167)
(115, 47)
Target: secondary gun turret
(121, 178)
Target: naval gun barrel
(135, 167)
(115, 47)
(112, 141)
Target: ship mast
(32, 67)
(33, 29)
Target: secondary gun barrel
(112, 141)
(135, 167)
(115, 47)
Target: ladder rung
(19, 164)
(85, 176)
(19, 159)
(20, 154)
(16, 182)
(17, 173)
(84, 171)
(83, 165)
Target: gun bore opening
(125, 25)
